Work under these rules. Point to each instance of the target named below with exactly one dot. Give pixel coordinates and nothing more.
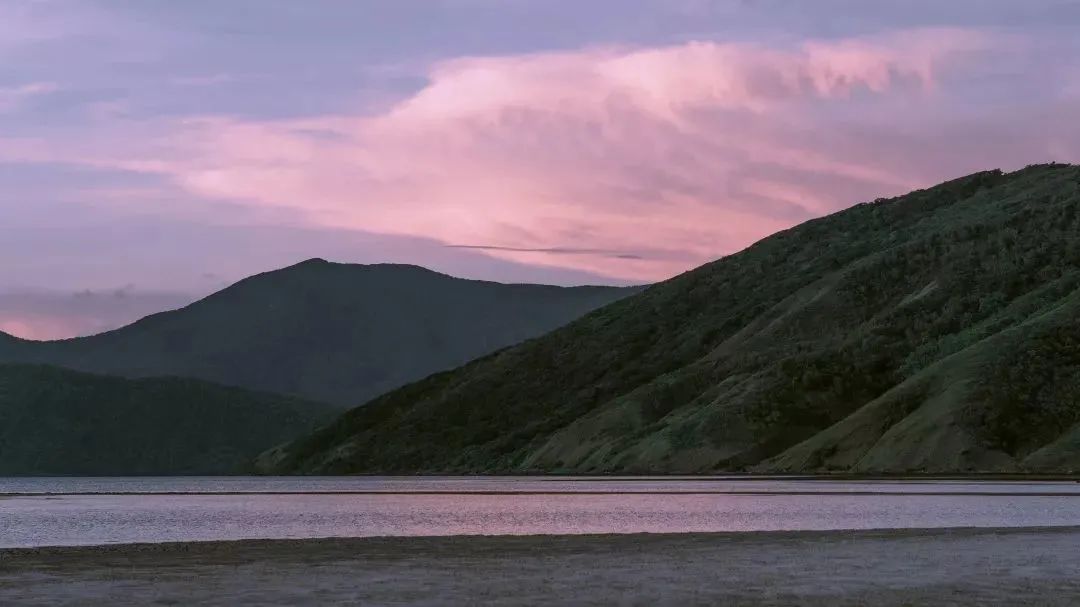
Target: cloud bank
(693, 150)
(625, 153)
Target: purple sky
(152, 151)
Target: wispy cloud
(202, 80)
(696, 149)
(550, 251)
(13, 98)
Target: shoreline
(953, 566)
(553, 492)
(344, 543)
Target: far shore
(970, 566)
(717, 476)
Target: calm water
(87, 511)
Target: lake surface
(91, 511)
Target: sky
(153, 151)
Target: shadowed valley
(59, 422)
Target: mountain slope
(56, 421)
(932, 332)
(331, 332)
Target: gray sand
(942, 567)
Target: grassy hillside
(55, 421)
(932, 332)
(331, 332)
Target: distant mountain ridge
(339, 333)
(935, 332)
(59, 422)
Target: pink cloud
(42, 315)
(38, 327)
(13, 98)
(630, 162)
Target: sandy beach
(898, 567)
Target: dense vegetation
(330, 332)
(931, 332)
(56, 421)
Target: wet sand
(898, 567)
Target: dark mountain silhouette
(938, 331)
(337, 333)
(57, 421)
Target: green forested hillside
(938, 331)
(337, 333)
(59, 422)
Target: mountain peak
(318, 263)
(334, 332)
